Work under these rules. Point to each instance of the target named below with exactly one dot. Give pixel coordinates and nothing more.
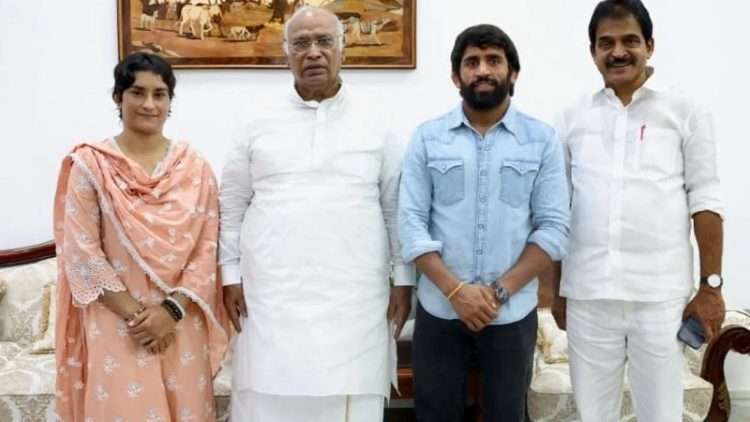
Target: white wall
(56, 60)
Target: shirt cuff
(413, 252)
(230, 275)
(404, 275)
(550, 244)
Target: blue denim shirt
(478, 200)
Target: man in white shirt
(641, 164)
(308, 240)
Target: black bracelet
(176, 307)
(171, 310)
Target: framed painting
(249, 33)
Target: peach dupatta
(166, 223)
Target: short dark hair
(620, 9)
(484, 36)
(142, 62)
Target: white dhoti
(250, 406)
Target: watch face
(714, 280)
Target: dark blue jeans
(444, 351)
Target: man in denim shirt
(483, 210)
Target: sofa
(27, 366)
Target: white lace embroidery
(172, 384)
(101, 393)
(186, 358)
(143, 359)
(91, 277)
(134, 389)
(94, 331)
(152, 416)
(122, 329)
(119, 267)
(82, 185)
(110, 364)
(70, 209)
(186, 416)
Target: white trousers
(251, 406)
(605, 334)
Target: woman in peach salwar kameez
(141, 327)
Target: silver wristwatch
(501, 293)
(712, 280)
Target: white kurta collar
(653, 84)
(336, 99)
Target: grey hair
(307, 8)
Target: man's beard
(485, 100)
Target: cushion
(8, 351)
(44, 342)
(552, 341)
(21, 309)
(27, 408)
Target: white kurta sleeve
(393, 152)
(235, 195)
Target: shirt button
(483, 172)
(483, 199)
(480, 227)
(479, 251)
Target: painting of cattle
(249, 33)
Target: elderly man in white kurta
(308, 241)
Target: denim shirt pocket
(516, 181)
(448, 180)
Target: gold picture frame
(249, 33)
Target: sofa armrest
(27, 255)
(733, 337)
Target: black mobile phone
(691, 333)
